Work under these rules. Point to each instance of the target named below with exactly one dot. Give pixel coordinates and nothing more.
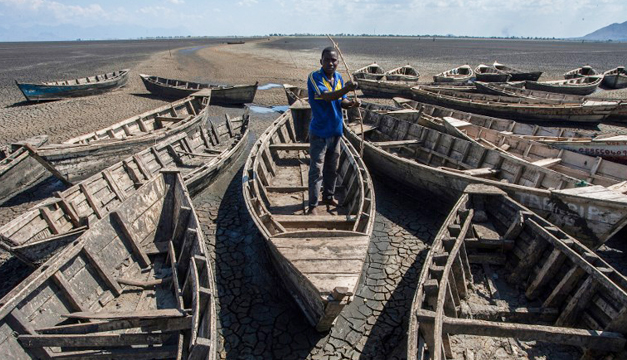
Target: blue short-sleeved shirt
(326, 119)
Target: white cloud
(176, 2)
(58, 11)
(247, 2)
(155, 10)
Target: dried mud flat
(257, 318)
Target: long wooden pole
(350, 74)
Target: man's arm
(346, 103)
(334, 95)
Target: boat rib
(554, 289)
(137, 285)
(56, 221)
(319, 257)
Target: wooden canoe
(384, 88)
(80, 157)
(319, 257)
(220, 94)
(460, 74)
(577, 86)
(613, 148)
(403, 73)
(199, 154)
(498, 270)
(518, 75)
(580, 72)
(91, 85)
(591, 111)
(137, 285)
(19, 170)
(369, 72)
(615, 78)
(618, 114)
(498, 124)
(427, 160)
(294, 93)
(490, 74)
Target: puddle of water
(192, 49)
(268, 110)
(269, 86)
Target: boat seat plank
(329, 266)
(290, 146)
(94, 340)
(311, 219)
(547, 162)
(605, 340)
(456, 122)
(356, 128)
(144, 314)
(325, 283)
(163, 324)
(147, 353)
(286, 189)
(396, 143)
(327, 248)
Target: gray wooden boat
(19, 170)
(583, 71)
(497, 270)
(369, 72)
(591, 111)
(199, 154)
(518, 75)
(618, 114)
(137, 285)
(577, 86)
(498, 124)
(220, 94)
(405, 73)
(384, 88)
(80, 157)
(612, 148)
(427, 160)
(91, 85)
(615, 78)
(319, 257)
(294, 93)
(460, 74)
(491, 74)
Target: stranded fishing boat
(84, 155)
(220, 94)
(19, 170)
(370, 72)
(91, 85)
(460, 74)
(576, 86)
(403, 73)
(517, 75)
(590, 111)
(137, 285)
(384, 88)
(613, 148)
(294, 93)
(498, 270)
(615, 78)
(319, 257)
(443, 165)
(199, 154)
(490, 74)
(580, 72)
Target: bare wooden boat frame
(199, 154)
(583, 71)
(91, 85)
(576, 86)
(405, 73)
(221, 94)
(459, 74)
(518, 75)
(319, 257)
(583, 299)
(491, 74)
(430, 161)
(137, 285)
(369, 72)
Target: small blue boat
(90, 85)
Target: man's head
(329, 60)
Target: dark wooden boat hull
(39, 92)
(571, 209)
(220, 94)
(492, 77)
(19, 170)
(583, 89)
(384, 89)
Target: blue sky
(29, 19)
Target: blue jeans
(324, 156)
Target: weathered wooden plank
(90, 200)
(290, 146)
(152, 324)
(130, 237)
(94, 340)
(593, 339)
(114, 286)
(73, 298)
(143, 314)
(579, 300)
(548, 270)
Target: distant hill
(614, 32)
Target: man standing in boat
(327, 97)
